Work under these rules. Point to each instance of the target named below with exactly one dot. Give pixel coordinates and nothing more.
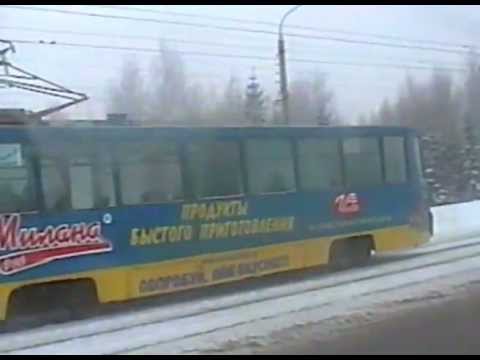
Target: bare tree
(386, 115)
(445, 108)
(194, 107)
(323, 102)
(230, 107)
(128, 95)
(311, 102)
(434, 108)
(300, 100)
(410, 109)
(168, 88)
(471, 96)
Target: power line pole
(283, 79)
(283, 67)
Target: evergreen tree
(472, 126)
(471, 168)
(431, 158)
(254, 102)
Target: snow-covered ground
(352, 305)
(458, 221)
(449, 262)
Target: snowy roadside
(456, 221)
(336, 334)
(340, 316)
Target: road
(446, 327)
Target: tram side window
(395, 159)
(104, 183)
(55, 182)
(81, 181)
(362, 161)
(91, 178)
(16, 179)
(417, 160)
(214, 168)
(270, 166)
(319, 164)
(149, 173)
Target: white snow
(456, 221)
(345, 312)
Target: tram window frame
(120, 162)
(99, 158)
(105, 157)
(415, 158)
(251, 175)
(337, 144)
(387, 168)
(190, 172)
(347, 171)
(60, 163)
(28, 163)
(83, 162)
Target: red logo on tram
(23, 248)
(347, 204)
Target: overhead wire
(238, 29)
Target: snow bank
(456, 221)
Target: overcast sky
(357, 89)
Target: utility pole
(283, 67)
(283, 79)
